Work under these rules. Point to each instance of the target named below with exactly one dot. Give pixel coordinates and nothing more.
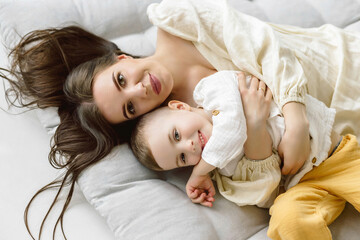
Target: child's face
(177, 137)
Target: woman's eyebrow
(124, 112)
(114, 80)
(118, 88)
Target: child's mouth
(202, 139)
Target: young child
(213, 137)
(179, 135)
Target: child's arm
(200, 188)
(294, 147)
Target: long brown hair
(42, 60)
(56, 68)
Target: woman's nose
(137, 90)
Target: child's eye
(121, 80)
(182, 158)
(176, 135)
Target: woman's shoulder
(182, 49)
(164, 36)
(170, 43)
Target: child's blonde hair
(140, 145)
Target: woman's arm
(294, 147)
(256, 101)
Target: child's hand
(200, 189)
(294, 147)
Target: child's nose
(190, 145)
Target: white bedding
(135, 202)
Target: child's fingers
(210, 199)
(211, 192)
(196, 193)
(199, 199)
(193, 193)
(207, 204)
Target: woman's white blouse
(323, 62)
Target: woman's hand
(294, 147)
(256, 100)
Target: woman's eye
(176, 135)
(130, 108)
(121, 80)
(182, 158)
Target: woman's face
(130, 88)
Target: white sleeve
(220, 92)
(259, 47)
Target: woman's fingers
(262, 87)
(254, 84)
(242, 81)
(268, 95)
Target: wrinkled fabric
(244, 181)
(306, 210)
(255, 182)
(229, 125)
(323, 62)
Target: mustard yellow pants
(305, 210)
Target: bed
(118, 198)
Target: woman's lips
(155, 84)
(202, 139)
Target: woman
(91, 123)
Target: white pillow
(138, 204)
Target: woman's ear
(177, 105)
(123, 56)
